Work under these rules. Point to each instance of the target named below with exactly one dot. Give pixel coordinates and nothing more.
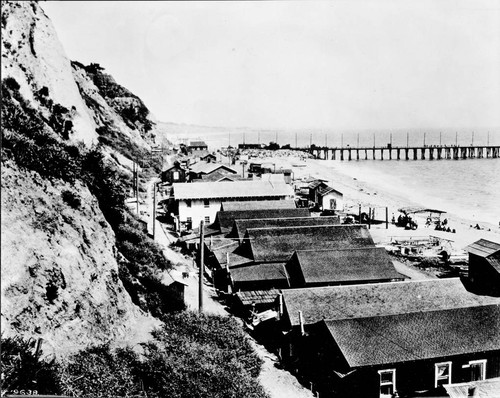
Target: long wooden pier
(430, 152)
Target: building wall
(483, 276)
(198, 211)
(332, 196)
(317, 360)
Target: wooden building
(278, 244)
(240, 226)
(192, 203)
(310, 268)
(484, 267)
(173, 173)
(202, 169)
(225, 219)
(374, 339)
(197, 146)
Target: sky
(353, 64)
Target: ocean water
(469, 188)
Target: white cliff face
(33, 55)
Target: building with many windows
(192, 203)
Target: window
(442, 372)
(176, 175)
(188, 203)
(189, 223)
(387, 382)
(207, 219)
(477, 370)
(206, 203)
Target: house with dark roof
(258, 205)
(372, 340)
(406, 353)
(279, 243)
(197, 146)
(484, 266)
(173, 173)
(310, 268)
(203, 169)
(225, 219)
(240, 226)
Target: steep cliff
(59, 269)
(60, 264)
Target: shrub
(100, 372)
(71, 198)
(23, 370)
(11, 83)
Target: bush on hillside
(200, 356)
(23, 370)
(101, 372)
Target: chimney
(301, 322)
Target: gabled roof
(237, 189)
(345, 265)
(416, 336)
(224, 219)
(241, 226)
(355, 301)
(259, 272)
(326, 190)
(258, 296)
(483, 248)
(173, 166)
(278, 244)
(208, 168)
(258, 205)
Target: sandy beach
(358, 193)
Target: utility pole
(424, 139)
(137, 187)
(374, 140)
(154, 209)
(202, 265)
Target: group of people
(440, 225)
(405, 221)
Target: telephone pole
(202, 265)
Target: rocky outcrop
(59, 270)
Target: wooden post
(202, 260)
(386, 217)
(359, 214)
(154, 209)
(369, 217)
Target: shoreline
(366, 194)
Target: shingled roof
(259, 272)
(258, 205)
(483, 248)
(417, 335)
(224, 219)
(354, 265)
(278, 244)
(376, 299)
(236, 189)
(258, 296)
(241, 226)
